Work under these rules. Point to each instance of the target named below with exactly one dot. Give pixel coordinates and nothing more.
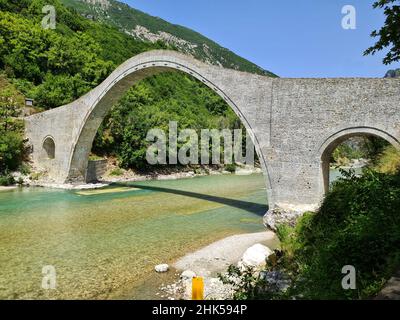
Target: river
(105, 243)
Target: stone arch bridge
(295, 123)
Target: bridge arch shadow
(252, 207)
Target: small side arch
(332, 142)
(49, 148)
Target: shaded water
(104, 243)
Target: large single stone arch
(132, 71)
(290, 120)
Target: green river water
(104, 244)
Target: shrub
(11, 127)
(231, 168)
(246, 283)
(117, 172)
(25, 169)
(389, 161)
(359, 225)
(11, 150)
(35, 176)
(6, 179)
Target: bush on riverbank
(11, 129)
(358, 224)
(6, 179)
(389, 161)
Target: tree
(11, 151)
(11, 127)
(389, 34)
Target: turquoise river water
(105, 243)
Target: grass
(117, 172)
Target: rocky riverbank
(2, 188)
(116, 175)
(208, 262)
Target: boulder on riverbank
(219, 255)
(255, 257)
(188, 275)
(278, 216)
(212, 260)
(162, 268)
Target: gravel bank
(219, 255)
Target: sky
(292, 38)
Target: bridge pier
(296, 186)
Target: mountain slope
(55, 67)
(142, 26)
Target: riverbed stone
(188, 275)
(278, 216)
(162, 268)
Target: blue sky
(302, 38)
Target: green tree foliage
(359, 225)
(153, 103)
(11, 151)
(11, 128)
(50, 60)
(60, 65)
(389, 34)
(55, 67)
(59, 90)
(388, 161)
(14, 5)
(366, 147)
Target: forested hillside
(11, 130)
(142, 26)
(55, 67)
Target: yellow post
(197, 288)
